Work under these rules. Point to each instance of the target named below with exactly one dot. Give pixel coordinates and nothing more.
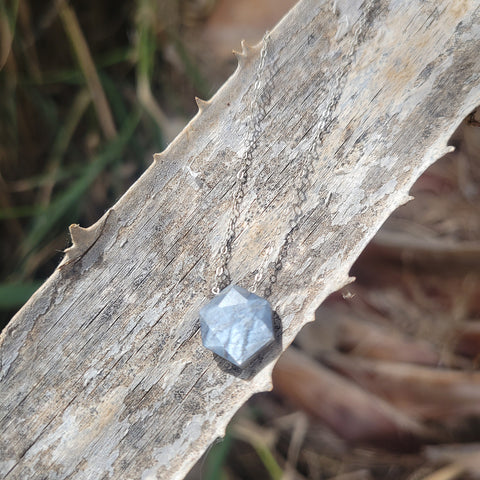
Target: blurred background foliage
(384, 384)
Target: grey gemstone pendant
(236, 324)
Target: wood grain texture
(103, 374)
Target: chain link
(258, 110)
(302, 180)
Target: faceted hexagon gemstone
(236, 324)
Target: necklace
(237, 323)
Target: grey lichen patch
(164, 457)
(350, 206)
(76, 439)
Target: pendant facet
(236, 324)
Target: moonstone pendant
(236, 324)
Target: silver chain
(258, 106)
(261, 99)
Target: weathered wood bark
(103, 372)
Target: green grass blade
(217, 458)
(268, 460)
(13, 295)
(115, 98)
(68, 199)
(19, 212)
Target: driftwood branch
(103, 372)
